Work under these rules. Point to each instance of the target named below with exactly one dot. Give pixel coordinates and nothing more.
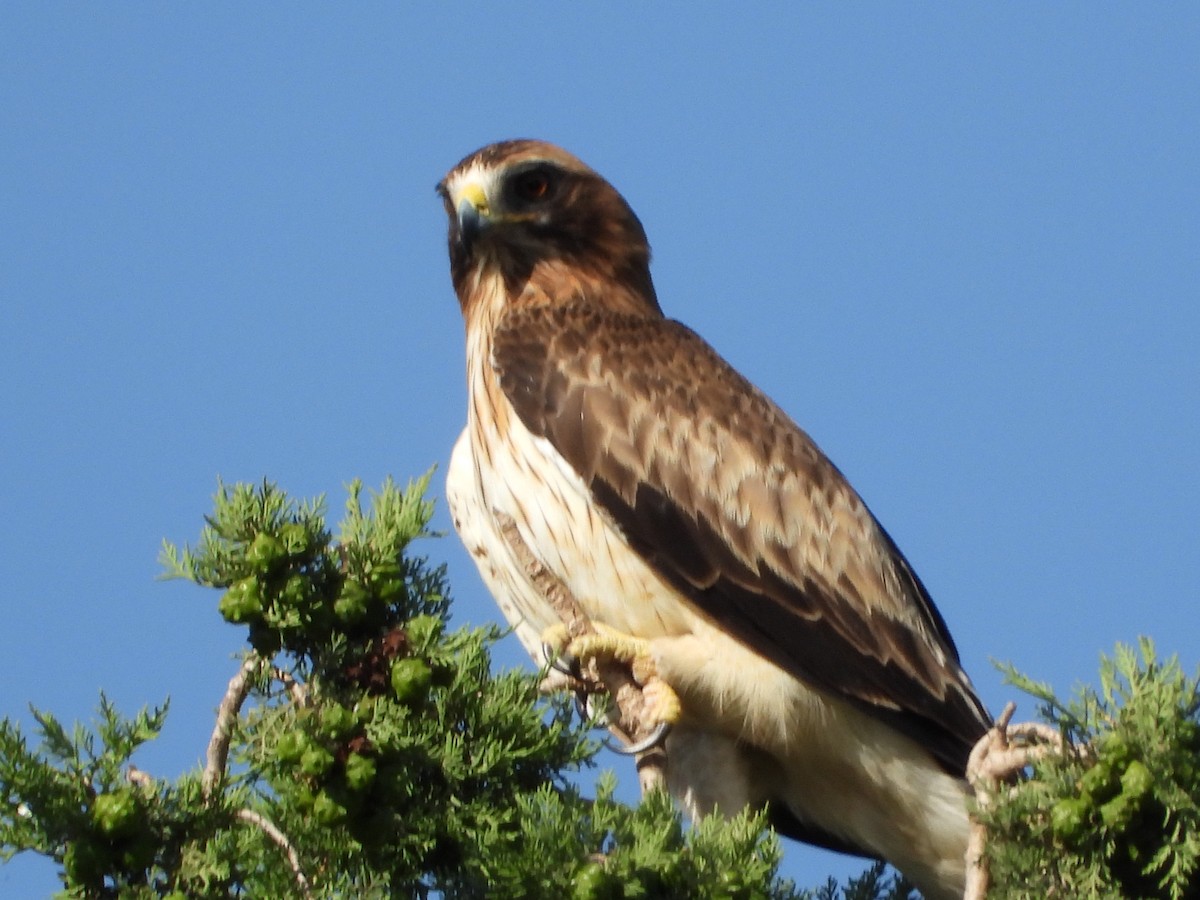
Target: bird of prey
(688, 513)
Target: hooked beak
(473, 212)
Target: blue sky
(959, 244)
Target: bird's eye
(532, 186)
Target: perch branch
(998, 757)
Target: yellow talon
(661, 703)
(611, 646)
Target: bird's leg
(651, 762)
(655, 705)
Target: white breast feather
(836, 766)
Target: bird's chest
(522, 480)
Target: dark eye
(532, 186)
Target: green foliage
(1118, 815)
(877, 882)
(72, 800)
(294, 589)
(374, 753)
(607, 850)
(373, 745)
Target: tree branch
(998, 757)
(298, 690)
(217, 755)
(271, 830)
(134, 775)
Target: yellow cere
(474, 193)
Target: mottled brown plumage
(680, 505)
(764, 535)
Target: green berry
(266, 551)
(290, 747)
(1117, 812)
(295, 591)
(1137, 780)
(305, 798)
(351, 604)
(243, 602)
(294, 538)
(1068, 818)
(115, 814)
(364, 709)
(315, 761)
(1115, 749)
(326, 810)
(1098, 782)
(410, 680)
(594, 882)
(360, 771)
(337, 721)
(387, 581)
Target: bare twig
(231, 704)
(998, 757)
(271, 830)
(218, 755)
(134, 775)
(632, 722)
(298, 690)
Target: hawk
(687, 512)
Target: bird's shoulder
(646, 389)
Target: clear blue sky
(959, 244)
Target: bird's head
(527, 210)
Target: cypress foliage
(364, 749)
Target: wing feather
(736, 507)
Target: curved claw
(567, 665)
(581, 707)
(655, 739)
(598, 717)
